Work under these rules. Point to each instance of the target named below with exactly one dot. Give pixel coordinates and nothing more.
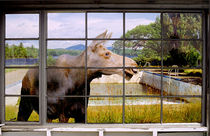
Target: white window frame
(99, 128)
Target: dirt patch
(15, 76)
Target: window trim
(42, 66)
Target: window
(105, 67)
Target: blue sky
(72, 25)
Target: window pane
(66, 25)
(22, 53)
(68, 49)
(145, 82)
(182, 54)
(145, 53)
(108, 53)
(182, 110)
(65, 109)
(74, 133)
(99, 22)
(104, 110)
(127, 134)
(142, 25)
(19, 109)
(24, 133)
(62, 82)
(25, 80)
(183, 134)
(182, 25)
(106, 84)
(22, 25)
(182, 81)
(142, 110)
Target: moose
(69, 82)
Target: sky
(72, 25)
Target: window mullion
(161, 44)
(42, 68)
(2, 72)
(203, 99)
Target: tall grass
(12, 111)
(104, 114)
(172, 113)
(182, 113)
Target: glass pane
(21, 81)
(107, 53)
(142, 110)
(67, 49)
(65, 109)
(62, 82)
(66, 25)
(22, 53)
(74, 133)
(183, 134)
(182, 25)
(104, 110)
(24, 133)
(182, 110)
(144, 53)
(100, 22)
(22, 25)
(127, 134)
(142, 25)
(182, 54)
(106, 84)
(21, 109)
(182, 81)
(145, 82)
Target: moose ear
(108, 36)
(95, 43)
(101, 36)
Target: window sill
(100, 129)
(108, 127)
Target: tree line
(176, 26)
(19, 51)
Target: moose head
(99, 56)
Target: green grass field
(172, 113)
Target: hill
(79, 47)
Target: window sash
(42, 65)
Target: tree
(175, 26)
(141, 50)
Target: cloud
(22, 26)
(132, 23)
(52, 44)
(71, 25)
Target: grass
(9, 70)
(182, 113)
(172, 113)
(11, 114)
(104, 114)
(193, 71)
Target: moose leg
(63, 118)
(80, 116)
(25, 109)
(49, 120)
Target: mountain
(109, 48)
(79, 47)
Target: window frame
(42, 65)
